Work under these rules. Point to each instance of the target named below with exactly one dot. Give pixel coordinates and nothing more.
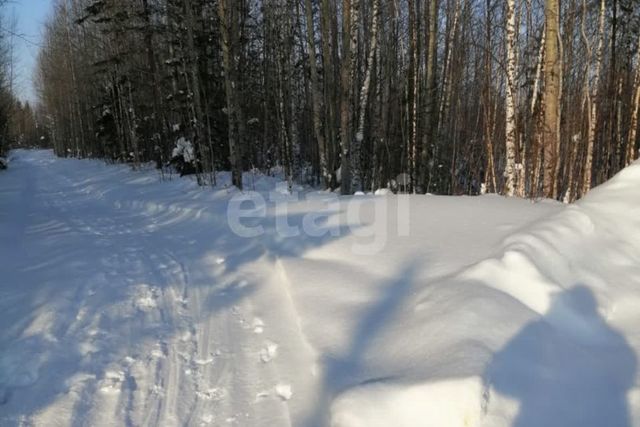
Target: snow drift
(545, 332)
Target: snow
(184, 148)
(129, 301)
(383, 192)
(451, 403)
(268, 353)
(284, 391)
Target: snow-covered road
(128, 301)
(118, 310)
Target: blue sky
(30, 16)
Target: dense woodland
(10, 109)
(533, 98)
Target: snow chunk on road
(258, 326)
(112, 382)
(284, 391)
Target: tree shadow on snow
(347, 370)
(567, 369)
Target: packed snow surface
(126, 301)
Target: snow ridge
(554, 314)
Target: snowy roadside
(543, 332)
(126, 301)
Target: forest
(528, 98)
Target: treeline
(521, 97)
(19, 125)
(11, 110)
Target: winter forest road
(121, 312)
(130, 301)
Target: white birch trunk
(510, 107)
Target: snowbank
(545, 332)
(452, 403)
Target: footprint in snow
(262, 395)
(269, 353)
(241, 284)
(258, 326)
(4, 396)
(128, 361)
(19, 367)
(157, 390)
(160, 351)
(187, 335)
(145, 298)
(112, 382)
(203, 362)
(215, 394)
(207, 419)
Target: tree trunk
(316, 94)
(431, 95)
(349, 58)
(550, 124)
(510, 104)
(414, 89)
(229, 63)
(330, 86)
(593, 103)
(364, 96)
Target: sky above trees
(30, 16)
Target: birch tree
(364, 97)
(593, 100)
(510, 104)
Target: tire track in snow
(142, 323)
